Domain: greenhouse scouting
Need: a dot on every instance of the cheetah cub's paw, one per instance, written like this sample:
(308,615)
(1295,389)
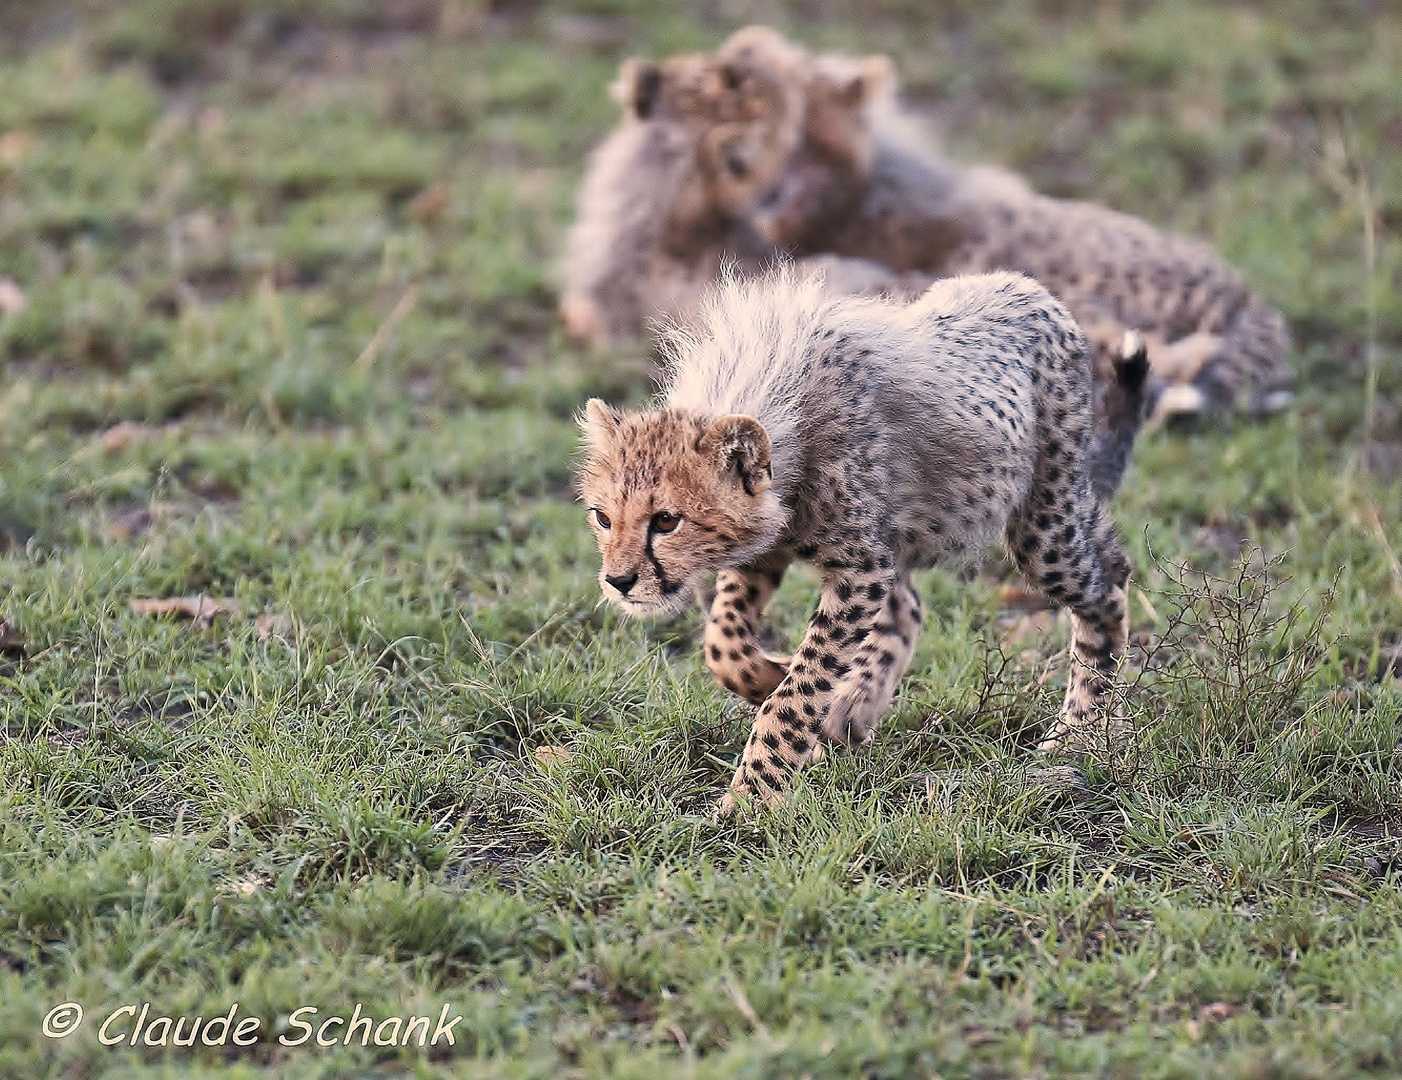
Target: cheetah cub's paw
(854,716)
(1059,739)
(1080,740)
(746,798)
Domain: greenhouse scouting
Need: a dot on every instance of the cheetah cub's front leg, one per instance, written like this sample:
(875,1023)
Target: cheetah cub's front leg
(843,676)
(731,637)
(880,662)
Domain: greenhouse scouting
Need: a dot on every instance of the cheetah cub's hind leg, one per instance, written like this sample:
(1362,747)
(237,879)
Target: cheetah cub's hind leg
(882,658)
(731,637)
(1099,637)
(1067,546)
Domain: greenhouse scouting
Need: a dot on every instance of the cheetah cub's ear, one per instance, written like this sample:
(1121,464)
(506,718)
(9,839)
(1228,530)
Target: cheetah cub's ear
(599,422)
(637,87)
(741,446)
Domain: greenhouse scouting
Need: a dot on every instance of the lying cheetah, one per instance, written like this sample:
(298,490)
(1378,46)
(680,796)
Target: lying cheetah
(860,181)
(869,438)
(659,210)
(658,215)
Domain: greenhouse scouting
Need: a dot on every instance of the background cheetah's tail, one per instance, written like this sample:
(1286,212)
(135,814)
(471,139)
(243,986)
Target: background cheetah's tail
(1123,406)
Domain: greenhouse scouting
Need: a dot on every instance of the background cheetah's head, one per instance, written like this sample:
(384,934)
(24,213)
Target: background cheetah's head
(742,118)
(820,178)
(673,497)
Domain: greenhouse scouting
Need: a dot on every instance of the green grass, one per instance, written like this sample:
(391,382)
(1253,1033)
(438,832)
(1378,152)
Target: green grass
(338,795)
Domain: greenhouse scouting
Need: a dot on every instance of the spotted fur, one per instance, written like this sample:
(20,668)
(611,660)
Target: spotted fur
(869,438)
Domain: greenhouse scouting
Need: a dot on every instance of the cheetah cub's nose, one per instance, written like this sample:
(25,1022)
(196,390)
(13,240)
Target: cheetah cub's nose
(623,582)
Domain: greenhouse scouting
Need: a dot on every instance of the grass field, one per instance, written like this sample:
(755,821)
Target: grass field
(277,282)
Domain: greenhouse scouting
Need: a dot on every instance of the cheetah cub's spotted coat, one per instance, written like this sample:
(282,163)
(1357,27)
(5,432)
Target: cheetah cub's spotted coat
(870,438)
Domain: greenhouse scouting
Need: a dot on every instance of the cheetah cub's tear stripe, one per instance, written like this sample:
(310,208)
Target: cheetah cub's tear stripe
(869,438)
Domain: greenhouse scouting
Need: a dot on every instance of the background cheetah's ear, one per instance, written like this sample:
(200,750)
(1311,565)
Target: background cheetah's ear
(853,84)
(878,77)
(599,422)
(740,445)
(763,48)
(637,86)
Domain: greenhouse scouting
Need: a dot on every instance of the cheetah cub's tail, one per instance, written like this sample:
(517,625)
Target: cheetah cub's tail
(1124,405)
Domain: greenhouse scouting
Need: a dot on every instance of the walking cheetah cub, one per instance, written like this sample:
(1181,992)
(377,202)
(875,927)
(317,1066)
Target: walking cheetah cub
(869,438)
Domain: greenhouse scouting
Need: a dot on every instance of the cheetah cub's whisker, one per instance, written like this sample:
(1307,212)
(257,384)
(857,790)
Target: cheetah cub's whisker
(870,438)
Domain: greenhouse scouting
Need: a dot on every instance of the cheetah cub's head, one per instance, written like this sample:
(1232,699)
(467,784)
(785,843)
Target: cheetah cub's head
(674,497)
(822,181)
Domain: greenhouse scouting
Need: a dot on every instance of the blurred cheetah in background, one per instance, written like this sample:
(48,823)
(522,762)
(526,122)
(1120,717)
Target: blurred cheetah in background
(849,174)
(659,210)
(869,438)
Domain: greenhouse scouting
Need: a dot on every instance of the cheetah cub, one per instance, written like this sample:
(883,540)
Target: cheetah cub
(869,438)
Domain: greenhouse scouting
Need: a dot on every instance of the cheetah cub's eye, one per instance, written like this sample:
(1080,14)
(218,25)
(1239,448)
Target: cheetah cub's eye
(602,518)
(665,522)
